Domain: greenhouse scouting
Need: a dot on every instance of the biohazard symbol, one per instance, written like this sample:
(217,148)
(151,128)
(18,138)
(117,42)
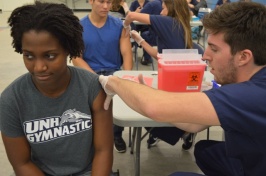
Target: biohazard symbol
(194,78)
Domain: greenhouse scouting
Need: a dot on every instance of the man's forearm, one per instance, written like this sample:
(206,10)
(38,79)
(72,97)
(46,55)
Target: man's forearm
(164,106)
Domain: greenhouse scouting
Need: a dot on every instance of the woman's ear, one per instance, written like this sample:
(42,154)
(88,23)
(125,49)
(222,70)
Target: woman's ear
(245,56)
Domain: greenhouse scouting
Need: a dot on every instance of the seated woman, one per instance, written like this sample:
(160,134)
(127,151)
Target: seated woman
(173,31)
(195,5)
(52,119)
(137,5)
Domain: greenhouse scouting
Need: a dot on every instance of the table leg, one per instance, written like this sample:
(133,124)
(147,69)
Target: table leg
(130,137)
(133,140)
(137,154)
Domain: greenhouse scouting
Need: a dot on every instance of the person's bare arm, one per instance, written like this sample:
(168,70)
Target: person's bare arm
(19,155)
(126,52)
(141,17)
(146,46)
(102,137)
(165,106)
(79,62)
(149,49)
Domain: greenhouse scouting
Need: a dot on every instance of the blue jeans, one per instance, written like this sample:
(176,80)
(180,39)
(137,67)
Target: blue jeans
(117,129)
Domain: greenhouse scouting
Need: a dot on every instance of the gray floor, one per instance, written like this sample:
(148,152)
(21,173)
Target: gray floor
(160,160)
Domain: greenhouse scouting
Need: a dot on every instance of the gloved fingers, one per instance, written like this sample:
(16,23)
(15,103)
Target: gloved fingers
(103,80)
(126,27)
(141,79)
(109,94)
(107,102)
(136,36)
(133,32)
(124,23)
(128,31)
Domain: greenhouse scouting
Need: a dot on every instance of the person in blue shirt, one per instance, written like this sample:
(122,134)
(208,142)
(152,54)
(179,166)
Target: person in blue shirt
(107,49)
(154,7)
(237,58)
(172,27)
(221,2)
(195,5)
(137,5)
(173,31)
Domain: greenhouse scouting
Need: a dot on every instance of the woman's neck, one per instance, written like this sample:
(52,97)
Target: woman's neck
(57,88)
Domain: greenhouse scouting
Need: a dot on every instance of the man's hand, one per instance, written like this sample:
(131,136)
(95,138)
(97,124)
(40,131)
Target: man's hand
(136,36)
(109,94)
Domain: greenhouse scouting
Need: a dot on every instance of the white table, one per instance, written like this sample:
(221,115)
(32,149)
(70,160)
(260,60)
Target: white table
(195,23)
(126,117)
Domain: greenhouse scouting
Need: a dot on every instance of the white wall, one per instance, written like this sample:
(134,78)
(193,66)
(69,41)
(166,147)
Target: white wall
(10,5)
(78,4)
(73,4)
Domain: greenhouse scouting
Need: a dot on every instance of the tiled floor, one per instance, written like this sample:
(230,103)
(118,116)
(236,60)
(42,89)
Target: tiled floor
(157,161)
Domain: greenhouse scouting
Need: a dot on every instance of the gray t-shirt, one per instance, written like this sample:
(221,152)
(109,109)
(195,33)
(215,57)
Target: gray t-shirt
(59,130)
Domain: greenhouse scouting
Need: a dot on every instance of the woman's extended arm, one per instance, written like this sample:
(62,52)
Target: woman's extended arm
(140,17)
(146,46)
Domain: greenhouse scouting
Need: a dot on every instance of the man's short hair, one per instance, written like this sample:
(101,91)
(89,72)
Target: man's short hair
(243,25)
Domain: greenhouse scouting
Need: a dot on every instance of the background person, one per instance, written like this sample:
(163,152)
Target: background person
(107,49)
(154,7)
(119,7)
(46,112)
(172,27)
(173,31)
(195,5)
(137,5)
(221,2)
(238,106)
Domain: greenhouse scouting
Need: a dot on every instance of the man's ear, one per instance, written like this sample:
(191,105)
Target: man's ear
(245,57)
